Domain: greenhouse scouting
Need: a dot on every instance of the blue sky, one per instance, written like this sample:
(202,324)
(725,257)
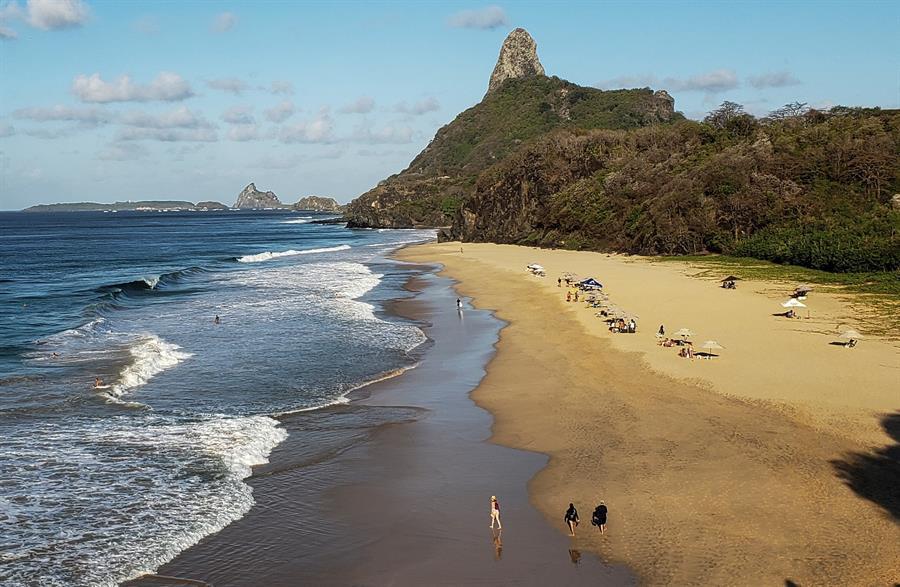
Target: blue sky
(115,100)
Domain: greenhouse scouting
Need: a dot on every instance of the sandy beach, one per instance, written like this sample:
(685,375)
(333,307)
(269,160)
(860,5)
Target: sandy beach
(774,462)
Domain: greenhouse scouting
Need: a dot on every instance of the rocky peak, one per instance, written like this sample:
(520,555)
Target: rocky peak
(251,198)
(518,58)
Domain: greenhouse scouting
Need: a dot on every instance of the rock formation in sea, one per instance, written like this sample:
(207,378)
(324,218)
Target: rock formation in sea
(518,59)
(318,204)
(251,198)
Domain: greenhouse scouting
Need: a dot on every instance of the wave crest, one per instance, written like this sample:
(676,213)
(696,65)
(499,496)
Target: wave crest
(268,255)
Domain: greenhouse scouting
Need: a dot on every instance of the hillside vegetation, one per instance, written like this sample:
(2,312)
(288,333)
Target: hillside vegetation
(430,191)
(802,187)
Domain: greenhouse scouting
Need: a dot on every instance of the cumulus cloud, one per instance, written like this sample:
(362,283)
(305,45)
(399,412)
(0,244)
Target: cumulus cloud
(281,111)
(773,79)
(713,82)
(243,132)
(421,107)
(51,15)
(487,18)
(282,87)
(206,135)
(223,22)
(90,116)
(318,130)
(182,117)
(361,105)
(391,134)
(239,115)
(122,152)
(231,85)
(7,34)
(167,87)
(50,133)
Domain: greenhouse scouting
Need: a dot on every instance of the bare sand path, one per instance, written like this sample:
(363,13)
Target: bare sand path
(716,472)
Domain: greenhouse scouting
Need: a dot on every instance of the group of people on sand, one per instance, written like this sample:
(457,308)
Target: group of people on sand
(598,518)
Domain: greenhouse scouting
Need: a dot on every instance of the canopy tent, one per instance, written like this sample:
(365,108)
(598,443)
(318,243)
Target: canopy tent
(590,282)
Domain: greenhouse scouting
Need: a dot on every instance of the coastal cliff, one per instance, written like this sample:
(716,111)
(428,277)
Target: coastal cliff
(521,105)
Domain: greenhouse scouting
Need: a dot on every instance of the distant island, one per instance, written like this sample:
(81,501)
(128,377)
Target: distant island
(250,198)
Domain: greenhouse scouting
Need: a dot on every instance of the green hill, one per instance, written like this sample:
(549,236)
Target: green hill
(431,189)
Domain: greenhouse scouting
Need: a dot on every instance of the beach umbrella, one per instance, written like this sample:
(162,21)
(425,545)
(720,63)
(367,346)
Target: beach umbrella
(803,288)
(851,334)
(711,345)
(793,303)
(684,333)
(731,278)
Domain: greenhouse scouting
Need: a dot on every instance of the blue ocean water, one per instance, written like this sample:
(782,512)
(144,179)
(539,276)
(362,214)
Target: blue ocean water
(98,485)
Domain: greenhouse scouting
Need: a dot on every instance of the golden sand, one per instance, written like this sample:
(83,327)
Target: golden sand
(722,471)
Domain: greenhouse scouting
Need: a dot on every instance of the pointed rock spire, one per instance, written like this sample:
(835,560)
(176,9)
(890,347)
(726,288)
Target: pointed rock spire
(518,58)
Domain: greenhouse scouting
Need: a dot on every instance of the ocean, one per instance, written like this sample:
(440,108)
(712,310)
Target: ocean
(101,484)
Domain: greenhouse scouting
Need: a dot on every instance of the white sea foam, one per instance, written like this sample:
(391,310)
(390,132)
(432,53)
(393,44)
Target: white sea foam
(151,356)
(93,521)
(151,281)
(266,256)
(298,220)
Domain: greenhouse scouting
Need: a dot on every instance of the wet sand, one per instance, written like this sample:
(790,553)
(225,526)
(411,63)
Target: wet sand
(399,495)
(738,471)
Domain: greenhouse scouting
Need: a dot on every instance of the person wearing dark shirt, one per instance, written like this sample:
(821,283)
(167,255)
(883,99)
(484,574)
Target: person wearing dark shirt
(599,517)
(571,519)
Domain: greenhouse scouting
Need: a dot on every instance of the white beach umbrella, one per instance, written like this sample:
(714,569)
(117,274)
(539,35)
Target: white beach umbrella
(851,334)
(711,345)
(684,333)
(793,303)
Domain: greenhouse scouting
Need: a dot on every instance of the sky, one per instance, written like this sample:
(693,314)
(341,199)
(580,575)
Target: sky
(113,100)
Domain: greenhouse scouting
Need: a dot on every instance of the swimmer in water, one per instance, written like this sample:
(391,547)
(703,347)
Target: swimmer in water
(217,320)
(98,382)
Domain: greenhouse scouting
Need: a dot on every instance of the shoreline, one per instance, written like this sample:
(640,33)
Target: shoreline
(708,478)
(339,518)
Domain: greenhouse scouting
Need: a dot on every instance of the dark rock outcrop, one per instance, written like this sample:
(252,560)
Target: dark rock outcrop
(317,204)
(518,59)
(251,198)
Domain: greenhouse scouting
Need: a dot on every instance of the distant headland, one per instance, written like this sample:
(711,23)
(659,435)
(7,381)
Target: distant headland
(250,198)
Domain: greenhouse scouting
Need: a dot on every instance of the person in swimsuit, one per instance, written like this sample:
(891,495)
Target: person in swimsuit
(495,512)
(571,519)
(458,304)
(599,517)
(217,320)
(98,382)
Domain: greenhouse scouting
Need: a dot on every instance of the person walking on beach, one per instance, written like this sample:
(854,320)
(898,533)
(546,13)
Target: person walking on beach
(571,519)
(459,304)
(495,512)
(599,517)
(662,331)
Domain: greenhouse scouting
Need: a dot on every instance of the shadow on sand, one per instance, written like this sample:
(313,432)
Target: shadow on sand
(876,475)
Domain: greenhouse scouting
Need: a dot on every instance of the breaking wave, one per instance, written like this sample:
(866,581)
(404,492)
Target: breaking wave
(268,255)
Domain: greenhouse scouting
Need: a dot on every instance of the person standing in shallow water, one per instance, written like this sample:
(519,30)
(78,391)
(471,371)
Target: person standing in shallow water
(458,304)
(495,512)
(599,517)
(571,519)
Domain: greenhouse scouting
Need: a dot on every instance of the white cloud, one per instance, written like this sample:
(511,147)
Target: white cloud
(773,79)
(243,132)
(421,107)
(278,162)
(713,82)
(122,152)
(47,133)
(281,111)
(489,17)
(167,87)
(318,130)
(239,115)
(51,15)
(282,87)
(7,34)
(383,135)
(223,22)
(206,135)
(6,129)
(361,105)
(231,85)
(91,116)
(181,117)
